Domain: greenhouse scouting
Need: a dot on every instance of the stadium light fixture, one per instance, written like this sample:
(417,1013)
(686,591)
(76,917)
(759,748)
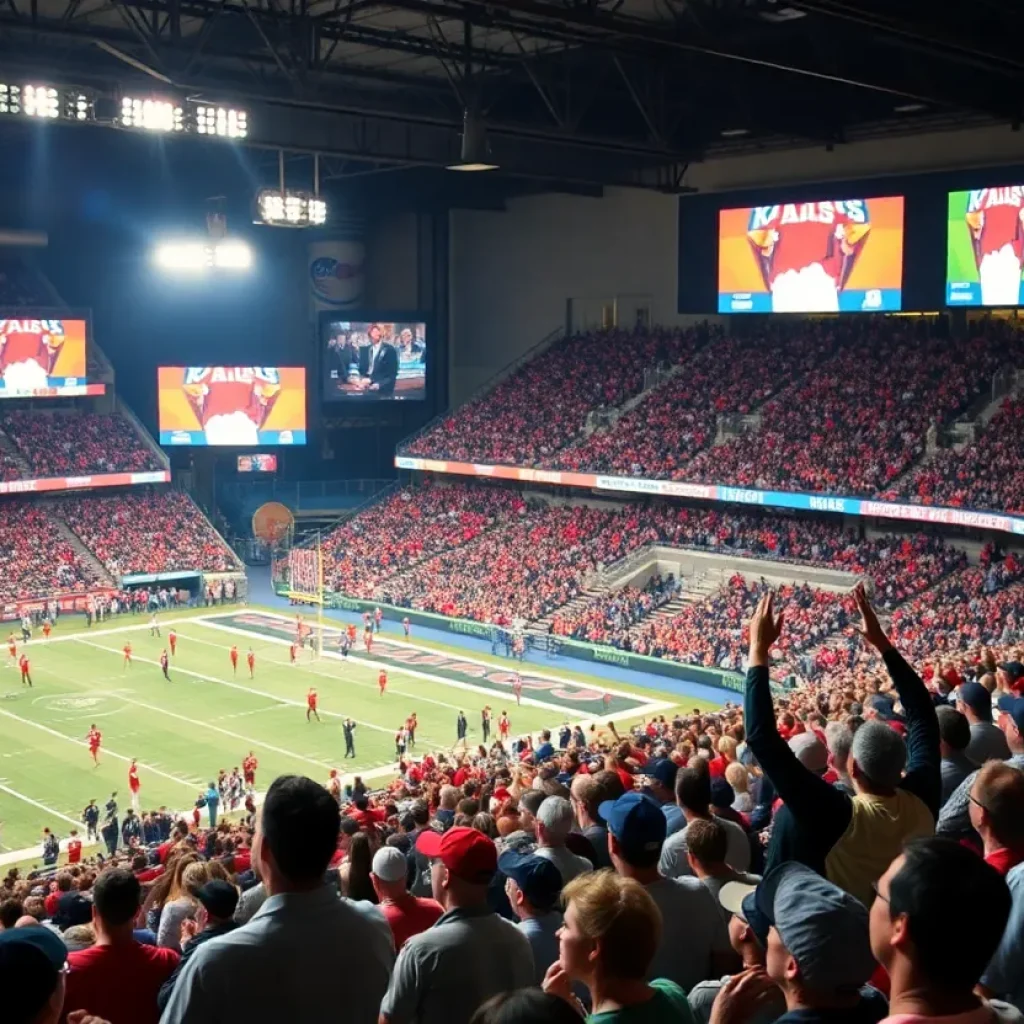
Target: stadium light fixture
(475,152)
(226,122)
(40,101)
(197,256)
(734,133)
(285,208)
(153,115)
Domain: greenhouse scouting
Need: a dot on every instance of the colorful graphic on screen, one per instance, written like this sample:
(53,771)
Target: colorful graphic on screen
(232,405)
(832,256)
(985,247)
(262,463)
(43,357)
(372,360)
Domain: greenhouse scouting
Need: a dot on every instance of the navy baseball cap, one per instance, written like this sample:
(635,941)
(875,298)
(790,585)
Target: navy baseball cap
(824,928)
(1010,704)
(1014,669)
(977,698)
(537,877)
(636,820)
(32,960)
(664,771)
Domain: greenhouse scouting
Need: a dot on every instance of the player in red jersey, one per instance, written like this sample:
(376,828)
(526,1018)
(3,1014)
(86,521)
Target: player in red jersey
(46,629)
(134,785)
(517,688)
(607,699)
(251,661)
(293,651)
(164,662)
(231,402)
(12,650)
(406,625)
(127,652)
(74,847)
(351,630)
(995,220)
(95,739)
(26,677)
(382,681)
(311,704)
(249,766)
(504,725)
(807,251)
(412,725)
(233,655)
(28,352)
(172,639)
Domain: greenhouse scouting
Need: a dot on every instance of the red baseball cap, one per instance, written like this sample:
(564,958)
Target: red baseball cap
(466,853)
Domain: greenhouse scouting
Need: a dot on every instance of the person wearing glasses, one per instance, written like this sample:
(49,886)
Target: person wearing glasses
(997,814)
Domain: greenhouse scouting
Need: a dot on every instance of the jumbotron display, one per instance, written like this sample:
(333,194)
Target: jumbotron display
(833,256)
(374,360)
(259,463)
(985,247)
(232,405)
(43,357)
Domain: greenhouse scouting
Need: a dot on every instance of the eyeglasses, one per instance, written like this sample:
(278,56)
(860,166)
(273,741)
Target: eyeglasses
(977,802)
(878,892)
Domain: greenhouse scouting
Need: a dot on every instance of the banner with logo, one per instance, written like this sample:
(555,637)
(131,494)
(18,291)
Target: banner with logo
(337,275)
(232,405)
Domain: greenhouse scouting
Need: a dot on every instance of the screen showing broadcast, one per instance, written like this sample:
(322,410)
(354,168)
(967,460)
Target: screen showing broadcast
(262,463)
(43,357)
(985,247)
(374,360)
(834,256)
(232,405)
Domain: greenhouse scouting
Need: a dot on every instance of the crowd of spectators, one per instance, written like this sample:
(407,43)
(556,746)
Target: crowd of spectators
(544,405)
(786,860)
(409,526)
(985,474)
(163,531)
(735,375)
(856,423)
(36,556)
(73,444)
(604,619)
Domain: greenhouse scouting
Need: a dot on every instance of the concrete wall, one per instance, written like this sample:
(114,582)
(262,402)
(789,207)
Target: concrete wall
(392,263)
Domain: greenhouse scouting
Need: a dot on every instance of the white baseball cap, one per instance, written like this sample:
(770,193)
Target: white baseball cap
(389,864)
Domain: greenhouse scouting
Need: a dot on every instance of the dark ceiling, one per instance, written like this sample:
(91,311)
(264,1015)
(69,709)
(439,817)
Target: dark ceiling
(576,93)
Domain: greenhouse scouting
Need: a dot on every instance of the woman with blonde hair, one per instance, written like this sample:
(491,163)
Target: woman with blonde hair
(611,931)
(181,902)
(739,778)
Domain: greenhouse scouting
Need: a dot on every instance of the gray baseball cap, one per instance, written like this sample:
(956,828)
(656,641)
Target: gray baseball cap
(824,928)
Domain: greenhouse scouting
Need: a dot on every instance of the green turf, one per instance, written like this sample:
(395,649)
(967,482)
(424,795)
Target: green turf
(206,719)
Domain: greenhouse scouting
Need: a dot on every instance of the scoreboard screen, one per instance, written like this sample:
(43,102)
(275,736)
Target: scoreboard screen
(373,360)
(985,246)
(831,256)
(232,405)
(42,356)
(261,463)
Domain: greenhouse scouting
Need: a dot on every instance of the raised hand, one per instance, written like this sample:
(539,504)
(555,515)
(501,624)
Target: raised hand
(765,629)
(743,997)
(871,630)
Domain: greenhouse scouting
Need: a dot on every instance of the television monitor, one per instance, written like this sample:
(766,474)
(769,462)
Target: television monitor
(985,247)
(44,356)
(373,359)
(262,462)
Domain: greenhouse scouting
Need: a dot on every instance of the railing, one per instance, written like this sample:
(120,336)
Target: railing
(628,563)
(492,382)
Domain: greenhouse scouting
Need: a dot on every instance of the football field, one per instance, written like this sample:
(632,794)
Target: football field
(208,717)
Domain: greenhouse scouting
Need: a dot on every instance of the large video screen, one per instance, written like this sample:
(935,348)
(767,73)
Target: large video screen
(374,360)
(259,463)
(43,357)
(835,256)
(231,405)
(985,247)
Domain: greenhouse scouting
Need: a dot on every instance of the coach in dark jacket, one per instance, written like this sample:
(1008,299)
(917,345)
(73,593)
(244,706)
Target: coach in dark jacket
(218,900)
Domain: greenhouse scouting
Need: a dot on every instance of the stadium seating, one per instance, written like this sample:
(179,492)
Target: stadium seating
(36,556)
(147,533)
(408,526)
(544,405)
(985,475)
(72,444)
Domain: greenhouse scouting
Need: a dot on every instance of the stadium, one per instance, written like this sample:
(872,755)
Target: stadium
(605,601)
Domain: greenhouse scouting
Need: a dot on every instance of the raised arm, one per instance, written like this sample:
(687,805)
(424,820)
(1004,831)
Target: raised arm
(808,796)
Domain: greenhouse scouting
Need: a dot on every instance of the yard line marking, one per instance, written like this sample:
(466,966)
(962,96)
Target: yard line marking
(42,807)
(80,742)
(244,689)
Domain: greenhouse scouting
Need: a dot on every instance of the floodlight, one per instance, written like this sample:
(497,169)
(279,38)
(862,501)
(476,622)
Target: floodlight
(190,256)
(198,256)
(40,101)
(475,152)
(227,122)
(10,99)
(285,208)
(77,106)
(232,255)
(152,115)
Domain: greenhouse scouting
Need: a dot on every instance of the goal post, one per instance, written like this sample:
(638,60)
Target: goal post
(306,583)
